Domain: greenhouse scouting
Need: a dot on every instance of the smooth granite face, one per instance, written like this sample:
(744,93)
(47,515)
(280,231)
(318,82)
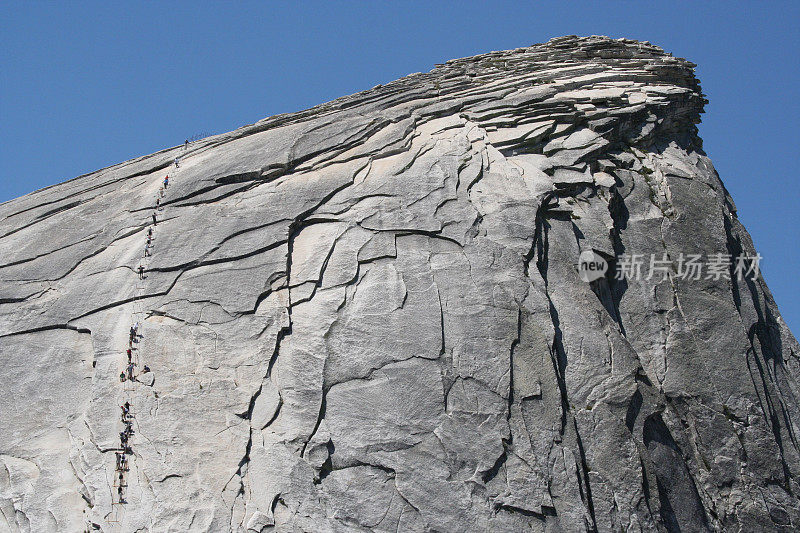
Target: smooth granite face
(368,316)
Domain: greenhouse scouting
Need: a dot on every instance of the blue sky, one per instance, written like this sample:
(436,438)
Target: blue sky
(87,84)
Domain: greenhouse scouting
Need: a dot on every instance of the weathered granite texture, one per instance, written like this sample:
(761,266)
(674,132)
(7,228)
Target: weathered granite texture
(367,316)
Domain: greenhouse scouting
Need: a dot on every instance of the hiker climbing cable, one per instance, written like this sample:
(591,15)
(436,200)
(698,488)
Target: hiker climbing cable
(166,180)
(141,272)
(176,163)
(186,144)
(122,461)
(146,369)
(130,355)
(155,220)
(122,377)
(134,333)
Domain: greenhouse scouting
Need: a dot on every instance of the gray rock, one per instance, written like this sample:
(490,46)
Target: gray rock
(367,316)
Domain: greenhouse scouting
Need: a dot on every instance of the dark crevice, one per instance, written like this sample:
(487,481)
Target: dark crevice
(180,203)
(327,466)
(681,506)
(583,477)
(558,355)
(197,263)
(634,407)
(320,417)
(48,328)
(514,345)
(525,512)
(490,474)
(431,234)
(617,287)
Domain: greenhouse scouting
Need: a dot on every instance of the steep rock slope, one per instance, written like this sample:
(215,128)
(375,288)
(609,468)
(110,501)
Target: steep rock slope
(367,316)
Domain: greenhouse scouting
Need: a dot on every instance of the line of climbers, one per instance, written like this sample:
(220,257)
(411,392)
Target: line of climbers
(132,352)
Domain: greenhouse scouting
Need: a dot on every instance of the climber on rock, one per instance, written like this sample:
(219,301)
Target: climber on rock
(146,369)
(122,377)
(122,462)
(155,220)
(130,355)
(130,372)
(166,179)
(141,272)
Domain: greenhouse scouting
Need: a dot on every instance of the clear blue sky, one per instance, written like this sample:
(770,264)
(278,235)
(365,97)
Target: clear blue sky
(87,84)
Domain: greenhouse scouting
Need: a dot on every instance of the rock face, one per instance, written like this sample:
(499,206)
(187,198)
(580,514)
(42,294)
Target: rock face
(367,316)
